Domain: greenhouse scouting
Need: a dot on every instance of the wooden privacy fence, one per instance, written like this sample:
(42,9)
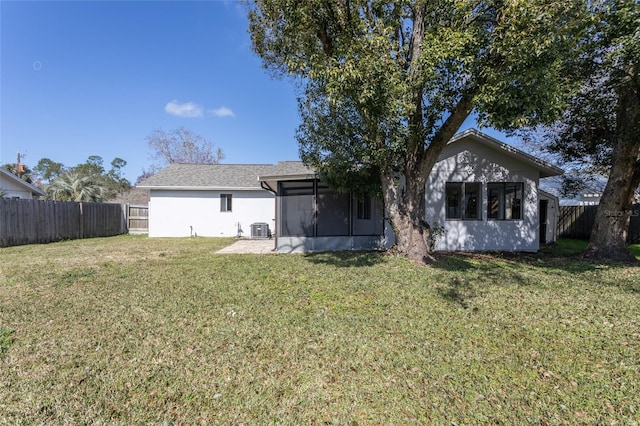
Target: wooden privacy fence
(577,221)
(38,221)
(138,218)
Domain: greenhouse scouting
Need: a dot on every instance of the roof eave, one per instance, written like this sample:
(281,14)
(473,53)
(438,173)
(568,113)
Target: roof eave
(548,194)
(304,176)
(34,189)
(200,188)
(550,171)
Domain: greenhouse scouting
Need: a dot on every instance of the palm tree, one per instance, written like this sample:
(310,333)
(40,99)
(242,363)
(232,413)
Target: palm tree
(74,186)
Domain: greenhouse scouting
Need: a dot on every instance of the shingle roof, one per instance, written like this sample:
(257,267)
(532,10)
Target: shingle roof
(213,176)
(288,168)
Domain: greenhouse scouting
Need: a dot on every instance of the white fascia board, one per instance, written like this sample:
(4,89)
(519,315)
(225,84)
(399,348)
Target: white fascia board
(288,177)
(34,189)
(202,188)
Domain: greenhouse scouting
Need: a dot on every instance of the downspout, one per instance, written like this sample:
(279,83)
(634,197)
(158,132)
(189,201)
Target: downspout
(265,186)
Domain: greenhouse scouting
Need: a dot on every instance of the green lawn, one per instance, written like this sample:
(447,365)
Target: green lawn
(131,330)
(572,247)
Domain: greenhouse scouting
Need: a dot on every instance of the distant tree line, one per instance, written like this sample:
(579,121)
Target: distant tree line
(88,181)
(92,181)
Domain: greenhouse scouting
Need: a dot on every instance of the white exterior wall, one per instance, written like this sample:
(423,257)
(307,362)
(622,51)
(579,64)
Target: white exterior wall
(12,189)
(465,161)
(187,213)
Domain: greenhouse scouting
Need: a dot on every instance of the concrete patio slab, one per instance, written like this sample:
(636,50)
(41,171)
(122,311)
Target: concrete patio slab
(246,246)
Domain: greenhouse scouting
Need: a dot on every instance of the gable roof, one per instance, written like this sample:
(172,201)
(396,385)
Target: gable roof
(207,177)
(29,187)
(249,176)
(545,169)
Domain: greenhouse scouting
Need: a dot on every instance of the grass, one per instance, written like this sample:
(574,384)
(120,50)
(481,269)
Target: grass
(573,247)
(131,330)
(6,340)
(566,247)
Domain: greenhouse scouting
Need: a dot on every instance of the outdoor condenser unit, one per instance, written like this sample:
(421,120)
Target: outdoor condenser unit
(260,230)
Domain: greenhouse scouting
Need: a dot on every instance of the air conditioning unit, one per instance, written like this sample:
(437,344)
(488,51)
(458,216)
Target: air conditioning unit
(260,230)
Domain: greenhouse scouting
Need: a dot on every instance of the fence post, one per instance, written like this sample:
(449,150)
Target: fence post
(125,210)
(81,221)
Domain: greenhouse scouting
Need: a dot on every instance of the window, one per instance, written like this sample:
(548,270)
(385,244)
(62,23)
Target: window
(225,202)
(363,208)
(463,200)
(504,201)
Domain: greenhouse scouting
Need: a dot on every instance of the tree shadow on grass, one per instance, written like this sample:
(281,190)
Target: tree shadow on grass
(347,259)
(458,291)
(498,268)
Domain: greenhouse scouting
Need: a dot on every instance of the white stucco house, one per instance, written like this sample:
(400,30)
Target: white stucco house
(220,200)
(11,186)
(483,194)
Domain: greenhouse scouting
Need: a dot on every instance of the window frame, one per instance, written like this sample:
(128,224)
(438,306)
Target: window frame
(464,192)
(506,191)
(226,203)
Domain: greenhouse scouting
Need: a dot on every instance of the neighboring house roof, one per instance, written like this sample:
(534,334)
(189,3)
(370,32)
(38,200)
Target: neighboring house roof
(545,168)
(208,177)
(590,194)
(29,187)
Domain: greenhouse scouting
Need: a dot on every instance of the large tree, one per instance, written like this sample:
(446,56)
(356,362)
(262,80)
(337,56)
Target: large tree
(387,84)
(181,146)
(618,71)
(112,181)
(600,130)
(88,181)
(77,186)
(47,170)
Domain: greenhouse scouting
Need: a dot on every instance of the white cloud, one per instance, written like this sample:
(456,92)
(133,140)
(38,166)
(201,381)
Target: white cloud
(222,112)
(189,109)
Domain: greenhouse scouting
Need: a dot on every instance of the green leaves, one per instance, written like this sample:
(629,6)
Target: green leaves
(76,186)
(387,84)
(374,59)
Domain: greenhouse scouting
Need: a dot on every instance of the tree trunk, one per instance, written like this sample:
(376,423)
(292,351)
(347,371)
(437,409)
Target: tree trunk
(609,234)
(405,211)
(405,205)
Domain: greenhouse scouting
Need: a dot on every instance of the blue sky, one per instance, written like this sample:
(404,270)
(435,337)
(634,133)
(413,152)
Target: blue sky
(85,78)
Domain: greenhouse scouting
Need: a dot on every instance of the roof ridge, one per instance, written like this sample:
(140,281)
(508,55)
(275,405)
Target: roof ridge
(221,164)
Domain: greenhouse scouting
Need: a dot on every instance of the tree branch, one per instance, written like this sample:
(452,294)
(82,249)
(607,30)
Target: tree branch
(451,125)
